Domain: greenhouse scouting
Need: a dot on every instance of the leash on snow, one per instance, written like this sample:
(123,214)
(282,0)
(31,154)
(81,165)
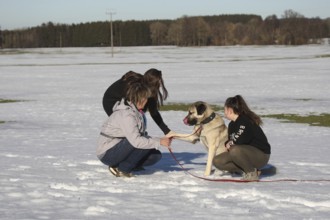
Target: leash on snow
(240,180)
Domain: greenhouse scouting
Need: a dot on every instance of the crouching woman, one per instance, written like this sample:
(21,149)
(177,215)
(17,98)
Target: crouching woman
(247,146)
(124,144)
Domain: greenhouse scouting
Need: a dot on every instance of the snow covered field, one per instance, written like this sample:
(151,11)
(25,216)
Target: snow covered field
(47,145)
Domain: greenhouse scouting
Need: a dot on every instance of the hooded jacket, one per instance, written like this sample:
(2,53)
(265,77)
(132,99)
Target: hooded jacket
(125,122)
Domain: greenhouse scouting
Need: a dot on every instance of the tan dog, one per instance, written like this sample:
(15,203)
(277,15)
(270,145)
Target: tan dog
(209,128)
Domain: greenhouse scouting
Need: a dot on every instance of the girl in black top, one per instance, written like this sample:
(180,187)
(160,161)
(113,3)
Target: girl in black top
(154,80)
(247,145)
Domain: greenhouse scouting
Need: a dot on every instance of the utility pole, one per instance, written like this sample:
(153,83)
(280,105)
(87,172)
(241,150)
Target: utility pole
(111,30)
(0,38)
(61,41)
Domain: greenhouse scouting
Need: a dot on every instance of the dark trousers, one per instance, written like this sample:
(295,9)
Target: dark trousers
(241,158)
(126,157)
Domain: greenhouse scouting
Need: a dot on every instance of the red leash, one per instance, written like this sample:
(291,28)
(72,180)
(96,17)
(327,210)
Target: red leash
(239,180)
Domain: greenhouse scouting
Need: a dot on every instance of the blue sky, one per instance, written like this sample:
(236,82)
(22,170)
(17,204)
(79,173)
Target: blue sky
(28,13)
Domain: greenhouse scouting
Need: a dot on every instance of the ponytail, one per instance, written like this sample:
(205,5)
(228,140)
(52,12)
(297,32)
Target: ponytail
(239,106)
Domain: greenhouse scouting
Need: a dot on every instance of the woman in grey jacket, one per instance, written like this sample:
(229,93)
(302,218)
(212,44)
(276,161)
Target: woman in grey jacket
(123,143)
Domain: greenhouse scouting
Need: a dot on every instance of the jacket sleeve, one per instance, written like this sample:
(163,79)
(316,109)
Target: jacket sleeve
(113,94)
(152,107)
(243,132)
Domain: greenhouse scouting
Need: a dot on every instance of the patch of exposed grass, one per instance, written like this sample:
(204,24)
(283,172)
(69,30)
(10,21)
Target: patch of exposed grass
(9,100)
(11,51)
(183,107)
(305,100)
(313,120)
(323,56)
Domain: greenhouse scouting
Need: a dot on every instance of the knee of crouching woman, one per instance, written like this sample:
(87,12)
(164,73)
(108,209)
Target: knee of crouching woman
(218,162)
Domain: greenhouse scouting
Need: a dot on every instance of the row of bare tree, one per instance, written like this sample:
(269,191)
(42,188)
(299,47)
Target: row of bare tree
(292,29)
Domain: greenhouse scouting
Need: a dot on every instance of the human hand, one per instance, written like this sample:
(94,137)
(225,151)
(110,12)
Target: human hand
(166,142)
(228,145)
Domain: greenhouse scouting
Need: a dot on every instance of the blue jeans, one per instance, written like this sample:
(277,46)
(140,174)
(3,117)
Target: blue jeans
(126,157)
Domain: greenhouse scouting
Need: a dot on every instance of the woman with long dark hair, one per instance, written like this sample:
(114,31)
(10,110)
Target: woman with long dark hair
(247,146)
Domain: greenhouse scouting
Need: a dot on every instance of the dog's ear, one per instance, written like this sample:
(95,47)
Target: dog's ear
(200,107)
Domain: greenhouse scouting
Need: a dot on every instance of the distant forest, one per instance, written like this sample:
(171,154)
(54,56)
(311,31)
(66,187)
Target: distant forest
(218,30)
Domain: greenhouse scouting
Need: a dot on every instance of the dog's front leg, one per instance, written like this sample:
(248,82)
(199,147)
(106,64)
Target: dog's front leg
(210,156)
(191,138)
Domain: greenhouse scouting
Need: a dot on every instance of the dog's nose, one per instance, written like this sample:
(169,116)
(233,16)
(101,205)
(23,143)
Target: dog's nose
(185,121)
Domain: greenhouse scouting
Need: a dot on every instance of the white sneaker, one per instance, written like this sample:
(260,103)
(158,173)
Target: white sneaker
(251,176)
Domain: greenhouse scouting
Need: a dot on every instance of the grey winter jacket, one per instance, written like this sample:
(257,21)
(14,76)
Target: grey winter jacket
(125,122)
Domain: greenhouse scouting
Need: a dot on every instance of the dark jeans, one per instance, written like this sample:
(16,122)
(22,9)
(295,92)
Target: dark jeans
(126,157)
(241,158)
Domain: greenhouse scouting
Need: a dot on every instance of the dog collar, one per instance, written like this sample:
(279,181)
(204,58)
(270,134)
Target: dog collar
(208,119)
